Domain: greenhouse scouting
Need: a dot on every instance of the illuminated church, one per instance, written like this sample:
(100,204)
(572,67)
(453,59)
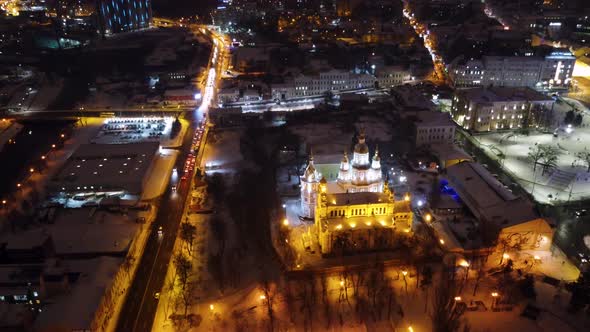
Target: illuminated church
(355,212)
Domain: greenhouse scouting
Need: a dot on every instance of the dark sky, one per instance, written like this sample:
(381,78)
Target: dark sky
(177,8)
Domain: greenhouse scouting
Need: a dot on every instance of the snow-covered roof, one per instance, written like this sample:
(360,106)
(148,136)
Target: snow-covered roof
(503,94)
(487,198)
(75,310)
(449,152)
(76,232)
(433,119)
(106,167)
(80,232)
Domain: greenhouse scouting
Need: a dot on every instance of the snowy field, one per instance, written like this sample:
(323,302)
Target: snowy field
(570,175)
(222,152)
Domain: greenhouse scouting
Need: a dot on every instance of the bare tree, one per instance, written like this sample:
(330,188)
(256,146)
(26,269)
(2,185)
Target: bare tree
(183,269)
(549,158)
(446,316)
(188,232)
(269,294)
(585,157)
(535,154)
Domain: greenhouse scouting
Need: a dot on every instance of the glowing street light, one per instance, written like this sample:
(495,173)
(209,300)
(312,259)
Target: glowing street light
(428,217)
(262,297)
(457,298)
(405,273)
(341,283)
(441,241)
(505,256)
(31,170)
(286,222)
(464,263)
(211,307)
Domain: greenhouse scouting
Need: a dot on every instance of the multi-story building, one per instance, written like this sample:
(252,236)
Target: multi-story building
(553,69)
(335,81)
(390,76)
(357,211)
(434,128)
(115,16)
(485,109)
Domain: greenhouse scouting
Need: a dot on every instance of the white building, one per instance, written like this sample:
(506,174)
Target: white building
(554,69)
(485,109)
(335,81)
(362,174)
(434,128)
(390,76)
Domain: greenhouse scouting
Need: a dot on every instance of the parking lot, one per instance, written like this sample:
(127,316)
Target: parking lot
(134,130)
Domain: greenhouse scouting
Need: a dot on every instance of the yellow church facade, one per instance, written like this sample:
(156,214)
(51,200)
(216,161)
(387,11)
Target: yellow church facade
(357,212)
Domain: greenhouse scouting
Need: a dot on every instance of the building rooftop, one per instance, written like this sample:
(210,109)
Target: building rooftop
(104,167)
(487,198)
(356,198)
(502,94)
(437,119)
(75,310)
(84,231)
(449,152)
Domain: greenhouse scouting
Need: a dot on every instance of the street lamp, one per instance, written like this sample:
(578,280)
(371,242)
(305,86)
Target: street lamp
(211,307)
(286,222)
(262,297)
(428,217)
(494,298)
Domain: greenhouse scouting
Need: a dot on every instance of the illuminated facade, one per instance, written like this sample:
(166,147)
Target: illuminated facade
(116,16)
(356,212)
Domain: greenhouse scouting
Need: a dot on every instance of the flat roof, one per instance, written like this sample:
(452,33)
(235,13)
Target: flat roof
(106,167)
(502,94)
(75,309)
(448,152)
(431,118)
(80,232)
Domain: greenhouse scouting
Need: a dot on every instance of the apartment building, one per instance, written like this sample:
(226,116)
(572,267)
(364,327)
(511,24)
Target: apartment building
(494,108)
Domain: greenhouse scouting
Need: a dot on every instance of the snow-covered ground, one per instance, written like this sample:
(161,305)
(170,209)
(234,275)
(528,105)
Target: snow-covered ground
(222,152)
(299,306)
(554,185)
